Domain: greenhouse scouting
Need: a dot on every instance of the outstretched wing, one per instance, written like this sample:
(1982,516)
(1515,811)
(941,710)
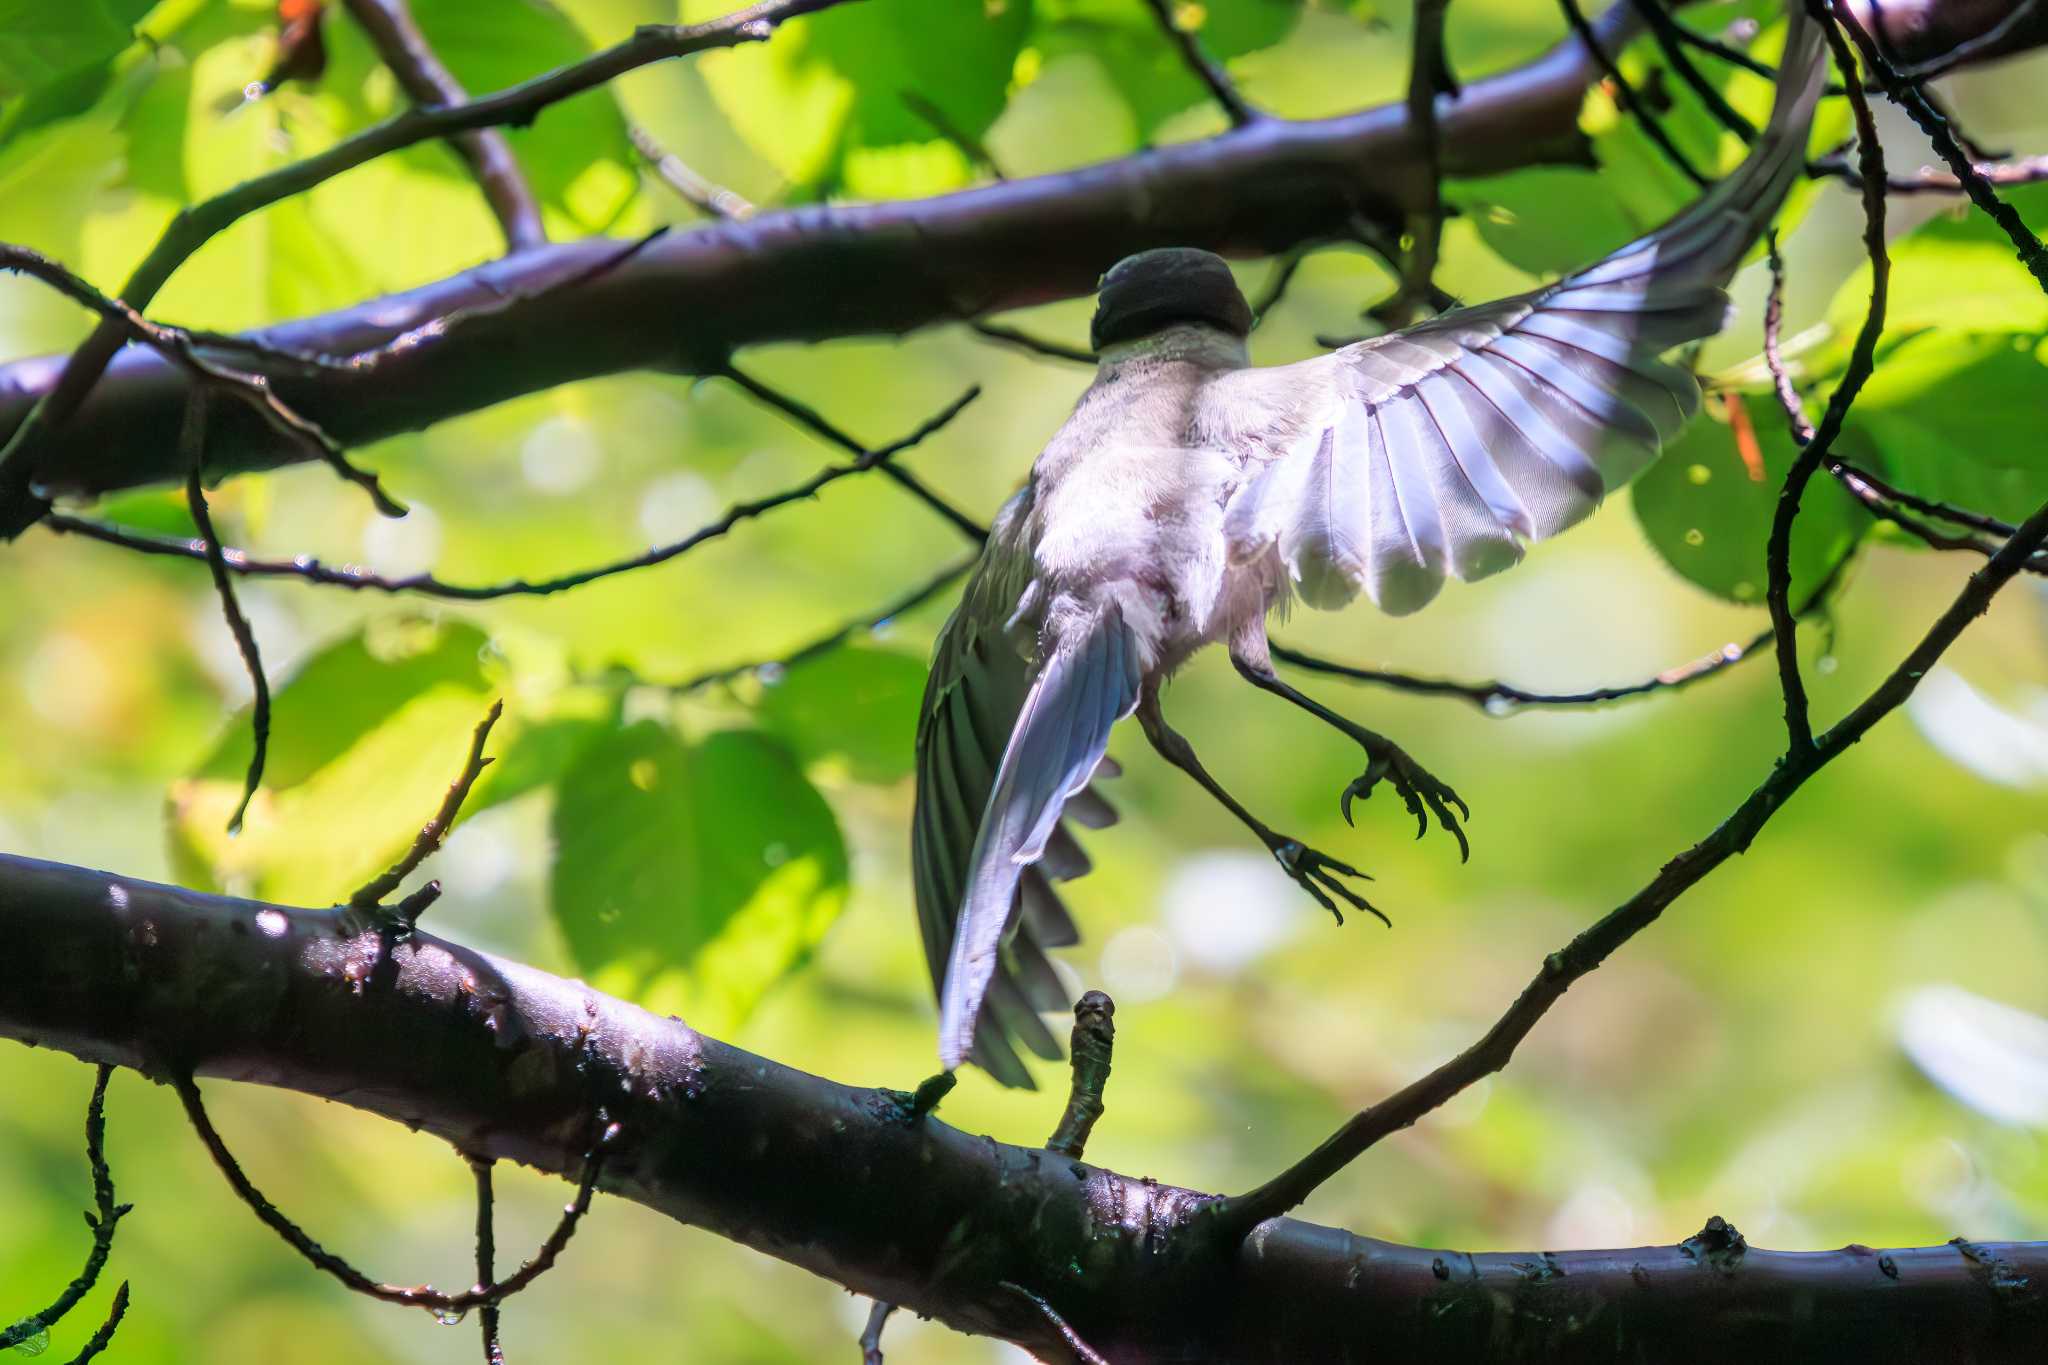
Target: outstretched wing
(977,689)
(1442,448)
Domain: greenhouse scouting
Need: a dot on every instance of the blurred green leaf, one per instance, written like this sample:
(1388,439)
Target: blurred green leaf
(1708,512)
(45,42)
(834,84)
(693,876)
(1940,415)
(1144,63)
(859,705)
(365,739)
(1546,220)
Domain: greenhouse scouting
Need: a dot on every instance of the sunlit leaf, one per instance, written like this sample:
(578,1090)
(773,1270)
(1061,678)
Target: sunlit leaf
(693,875)
(1145,65)
(44,42)
(859,705)
(1939,414)
(1707,508)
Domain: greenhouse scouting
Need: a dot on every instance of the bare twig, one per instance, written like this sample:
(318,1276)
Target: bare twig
(406,51)
(2029,171)
(428,842)
(867,622)
(102,1222)
(198,224)
(1206,69)
(1672,42)
(192,445)
(410,1296)
(864,458)
(486,1256)
(1862,361)
(973,148)
(1241,1213)
(1774,360)
(1628,97)
(310,570)
(1428,77)
(1052,350)
(1094,1040)
(1082,1351)
(105,1336)
(181,348)
(693,189)
(1964,52)
(871,1339)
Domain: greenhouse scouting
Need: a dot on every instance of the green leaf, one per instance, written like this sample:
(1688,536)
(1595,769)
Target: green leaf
(834,84)
(1709,515)
(1144,64)
(1948,413)
(693,876)
(43,42)
(1958,270)
(855,705)
(365,738)
(1545,220)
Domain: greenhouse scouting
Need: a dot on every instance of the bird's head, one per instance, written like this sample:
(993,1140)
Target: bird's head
(1156,289)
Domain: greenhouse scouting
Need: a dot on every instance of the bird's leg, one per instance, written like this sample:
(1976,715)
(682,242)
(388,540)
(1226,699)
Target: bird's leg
(1423,793)
(1314,872)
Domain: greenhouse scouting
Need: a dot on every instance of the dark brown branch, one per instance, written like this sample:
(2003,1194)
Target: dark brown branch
(1628,97)
(809,417)
(101,1223)
(1081,1351)
(1862,362)
(409,1296)
(310,570)
(406,51)
(486,1256)
(1093,1043)
(1205,68)
(867,622)
(1941,132)
(686,303)
(104,1337)
(501,1060)
(1592,947)
(714,201)
(428,841)
(2029,171)
(1671,41)
(1774,360)
(192,445)
(1428,77)
(198,224)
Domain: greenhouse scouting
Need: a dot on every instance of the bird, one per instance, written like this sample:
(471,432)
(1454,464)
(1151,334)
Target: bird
(1191,495)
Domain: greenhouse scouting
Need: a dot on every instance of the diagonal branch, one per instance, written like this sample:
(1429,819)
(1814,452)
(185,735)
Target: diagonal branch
(428,841)
(1205,67)
(1628,97)
(406,51)
(102,1224)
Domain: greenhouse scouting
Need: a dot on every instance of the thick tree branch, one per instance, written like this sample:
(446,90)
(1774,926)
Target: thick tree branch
(485,151)
(503,1061)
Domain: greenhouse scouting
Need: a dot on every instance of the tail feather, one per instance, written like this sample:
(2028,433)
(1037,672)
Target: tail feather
(1086,685)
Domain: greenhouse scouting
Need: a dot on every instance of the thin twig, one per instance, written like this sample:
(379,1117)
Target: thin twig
(2029,171)
(1627,96)
(1083,1352)
(864,458)
(973,148)
(1862,361)
(486,1256)
(693,189)
(181,348)
(867,622)
(1672,42)
(411,1296)
(192,448)
(1052,350)
(411,58)
(198,224)
(354,577)
(1428,77)
(1239,1214)
(1970,49)
(1774,360)
(1205,69)
(1094,1042)
(428,841)
(102,1338)
(102,1222)
(871,1339)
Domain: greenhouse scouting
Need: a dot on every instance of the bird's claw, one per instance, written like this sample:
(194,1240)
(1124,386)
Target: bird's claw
(1318,873)
(1420,790)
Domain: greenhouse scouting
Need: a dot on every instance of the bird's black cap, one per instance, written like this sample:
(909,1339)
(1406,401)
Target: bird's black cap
(1156,289)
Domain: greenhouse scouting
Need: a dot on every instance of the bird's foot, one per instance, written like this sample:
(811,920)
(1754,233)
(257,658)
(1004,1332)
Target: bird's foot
(1318,873)
(1423,793)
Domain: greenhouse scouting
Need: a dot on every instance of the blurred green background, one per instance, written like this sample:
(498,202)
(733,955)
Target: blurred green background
(1838,1038)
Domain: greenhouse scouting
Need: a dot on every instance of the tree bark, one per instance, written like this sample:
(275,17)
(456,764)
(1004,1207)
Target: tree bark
(507,1062)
